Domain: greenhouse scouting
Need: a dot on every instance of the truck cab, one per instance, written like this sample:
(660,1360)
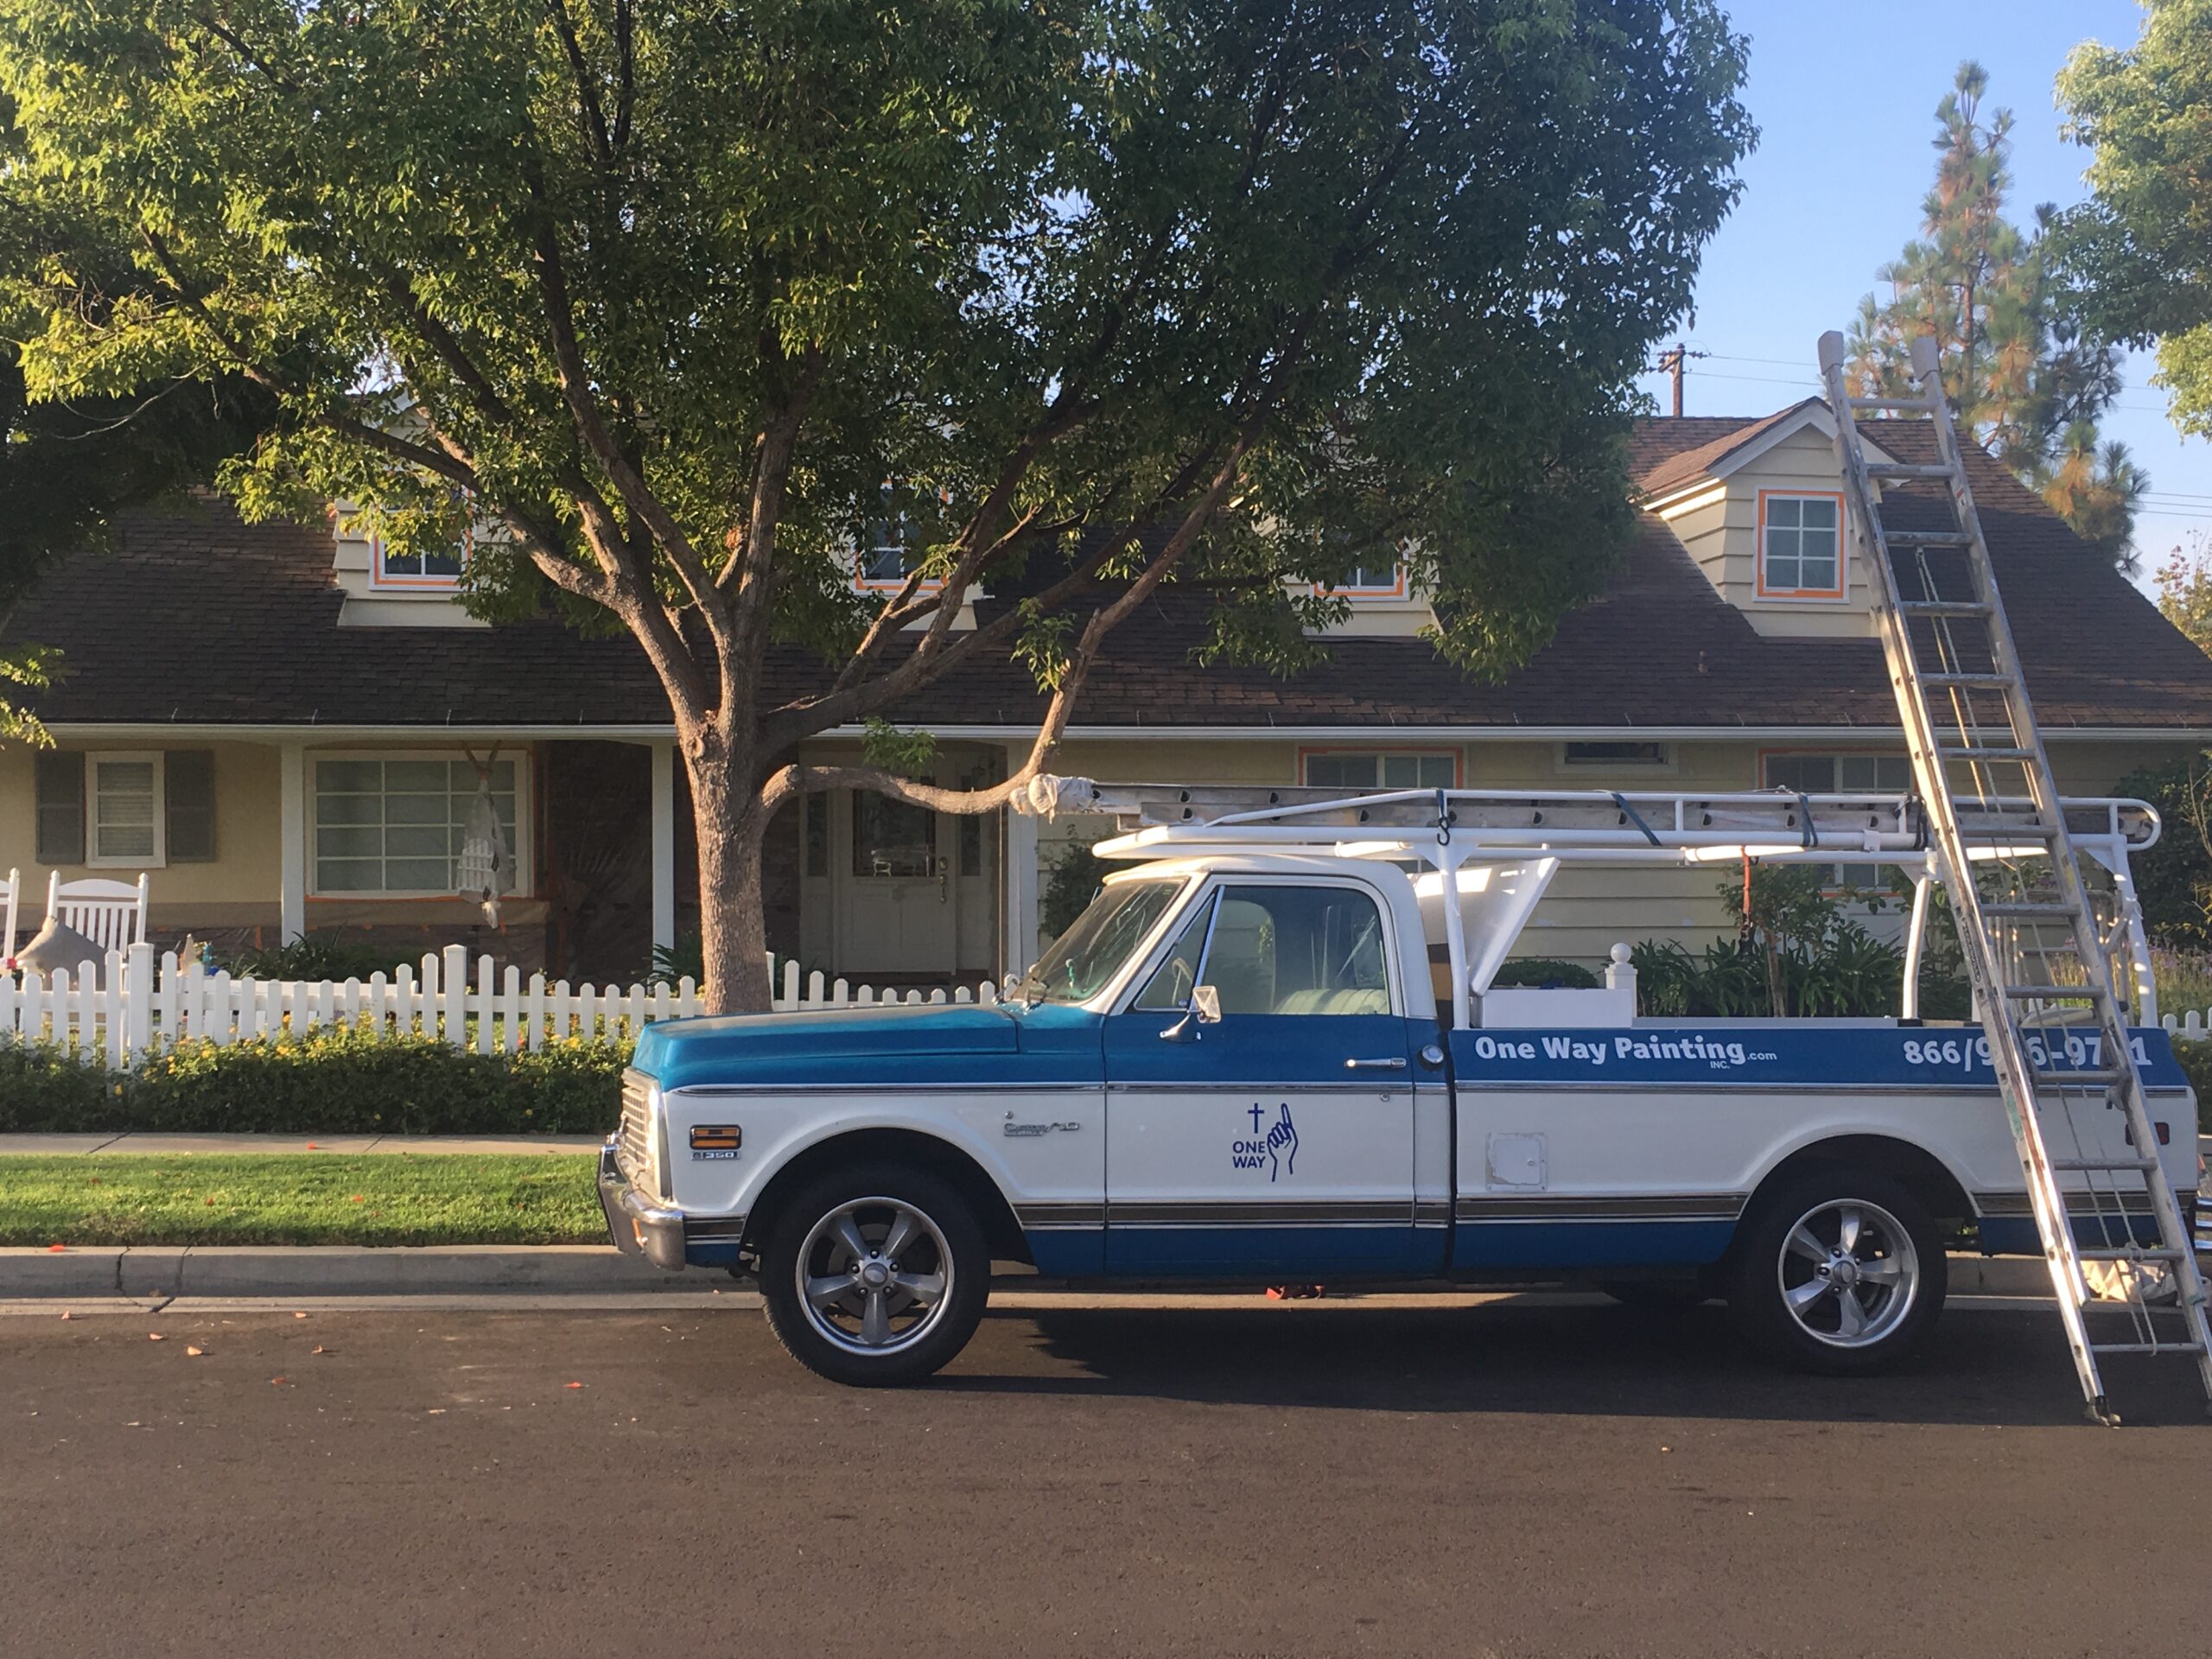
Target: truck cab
(1261,1058)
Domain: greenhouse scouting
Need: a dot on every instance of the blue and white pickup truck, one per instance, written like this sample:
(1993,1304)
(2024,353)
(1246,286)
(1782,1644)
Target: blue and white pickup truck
(1235,1067)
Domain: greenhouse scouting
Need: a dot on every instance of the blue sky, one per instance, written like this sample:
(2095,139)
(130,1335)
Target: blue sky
(1844,99)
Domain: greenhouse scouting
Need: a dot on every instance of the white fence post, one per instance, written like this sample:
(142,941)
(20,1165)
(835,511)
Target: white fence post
(146,1004)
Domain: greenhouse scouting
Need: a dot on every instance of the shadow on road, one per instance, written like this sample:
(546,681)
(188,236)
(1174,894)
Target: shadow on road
(1979,1368)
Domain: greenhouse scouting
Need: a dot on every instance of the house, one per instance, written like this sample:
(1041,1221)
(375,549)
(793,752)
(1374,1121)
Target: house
(288,728)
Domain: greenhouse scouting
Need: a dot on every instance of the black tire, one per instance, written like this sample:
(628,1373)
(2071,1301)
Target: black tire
(1896,1280)
(873,1196)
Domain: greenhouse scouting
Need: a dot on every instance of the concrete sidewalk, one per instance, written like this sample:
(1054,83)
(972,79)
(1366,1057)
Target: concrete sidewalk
(472,1145)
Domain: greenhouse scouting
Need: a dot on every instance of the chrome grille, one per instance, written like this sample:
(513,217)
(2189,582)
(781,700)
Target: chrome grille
(633,1146)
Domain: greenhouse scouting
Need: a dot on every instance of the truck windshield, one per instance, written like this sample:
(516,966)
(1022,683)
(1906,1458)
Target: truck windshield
(1082,959)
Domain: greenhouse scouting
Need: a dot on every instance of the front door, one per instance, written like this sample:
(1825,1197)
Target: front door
(1280,1138)
(913,890)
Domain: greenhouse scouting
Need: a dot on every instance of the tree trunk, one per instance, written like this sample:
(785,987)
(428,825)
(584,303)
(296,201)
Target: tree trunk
(732,927)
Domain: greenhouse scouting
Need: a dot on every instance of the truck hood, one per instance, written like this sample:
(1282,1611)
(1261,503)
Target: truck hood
(829,1045)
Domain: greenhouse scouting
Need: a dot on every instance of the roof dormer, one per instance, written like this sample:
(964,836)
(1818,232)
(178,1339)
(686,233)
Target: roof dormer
(386,589)
(1760,509)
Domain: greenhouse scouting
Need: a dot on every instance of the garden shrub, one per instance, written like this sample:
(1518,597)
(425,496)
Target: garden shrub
(1546,972)
(324,1083)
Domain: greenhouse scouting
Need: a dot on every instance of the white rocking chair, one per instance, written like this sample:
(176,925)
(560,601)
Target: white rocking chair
(111,914)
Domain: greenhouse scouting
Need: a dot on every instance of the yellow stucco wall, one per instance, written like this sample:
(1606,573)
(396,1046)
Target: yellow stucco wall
(1587,911)
(237,888)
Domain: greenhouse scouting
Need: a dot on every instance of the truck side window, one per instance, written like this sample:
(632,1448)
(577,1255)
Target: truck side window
(1299,951)
(1172,983)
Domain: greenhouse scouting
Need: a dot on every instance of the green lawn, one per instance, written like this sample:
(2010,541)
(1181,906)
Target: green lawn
(299,1198)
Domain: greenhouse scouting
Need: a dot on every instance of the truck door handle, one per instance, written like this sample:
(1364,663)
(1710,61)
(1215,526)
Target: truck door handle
(1395,1063)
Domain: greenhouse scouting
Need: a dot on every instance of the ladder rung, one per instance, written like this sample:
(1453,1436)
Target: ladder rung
(1905,469)
(1983,682)
(2148,1253)
(2001,831)
(2050,993)
(2023,912)
(1974,751)
(2088,1166)
(2190,1347)
(2082,1080)
(1944,607)
(1928,537)
(1903,404)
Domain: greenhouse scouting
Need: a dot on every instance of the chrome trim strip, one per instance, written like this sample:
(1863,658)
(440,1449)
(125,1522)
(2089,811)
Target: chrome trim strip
(1350,1090)
(1350,1212)
(878,1091)
(2080,1203)
(1747,1085)
(1583,1207)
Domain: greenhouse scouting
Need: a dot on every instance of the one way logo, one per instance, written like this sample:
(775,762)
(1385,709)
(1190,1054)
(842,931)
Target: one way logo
(1271,1147)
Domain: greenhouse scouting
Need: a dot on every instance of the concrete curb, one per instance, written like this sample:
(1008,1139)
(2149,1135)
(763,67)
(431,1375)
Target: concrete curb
(159,1273)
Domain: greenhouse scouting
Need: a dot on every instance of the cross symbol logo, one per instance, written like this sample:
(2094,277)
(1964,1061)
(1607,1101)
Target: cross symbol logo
(1255,1120)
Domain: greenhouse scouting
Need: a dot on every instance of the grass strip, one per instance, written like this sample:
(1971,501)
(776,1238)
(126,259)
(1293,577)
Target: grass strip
(299,1198)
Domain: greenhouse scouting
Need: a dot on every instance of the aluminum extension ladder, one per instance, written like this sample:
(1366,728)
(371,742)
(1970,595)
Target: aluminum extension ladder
(2042,981)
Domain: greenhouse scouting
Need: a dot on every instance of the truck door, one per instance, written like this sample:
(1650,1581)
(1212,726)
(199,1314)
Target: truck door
(1279,1138)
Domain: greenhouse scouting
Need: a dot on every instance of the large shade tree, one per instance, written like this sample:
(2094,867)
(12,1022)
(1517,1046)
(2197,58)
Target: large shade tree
(69,466)
(2025,377)
(1089,297)
(2140,250)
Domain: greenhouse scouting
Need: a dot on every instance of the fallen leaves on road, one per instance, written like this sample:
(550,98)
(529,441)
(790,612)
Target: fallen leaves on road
(576,1385)
(299,1316)
(57,1247)
(66,1314)
(319,1349)
(190,1352)
(280,1382)
(156,1336)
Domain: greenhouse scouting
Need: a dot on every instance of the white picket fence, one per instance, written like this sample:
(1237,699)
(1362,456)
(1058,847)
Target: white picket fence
(155,1003)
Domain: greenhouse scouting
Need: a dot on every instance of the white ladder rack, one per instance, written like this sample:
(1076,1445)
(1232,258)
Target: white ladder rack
(2033,954)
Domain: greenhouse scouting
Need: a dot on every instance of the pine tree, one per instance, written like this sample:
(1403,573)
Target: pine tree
(2022,376)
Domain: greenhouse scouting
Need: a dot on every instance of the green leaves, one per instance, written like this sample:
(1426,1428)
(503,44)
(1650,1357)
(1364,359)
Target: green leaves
(2137,253)
(2025,377)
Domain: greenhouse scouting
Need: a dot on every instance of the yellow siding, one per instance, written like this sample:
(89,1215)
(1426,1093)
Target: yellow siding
(237,888)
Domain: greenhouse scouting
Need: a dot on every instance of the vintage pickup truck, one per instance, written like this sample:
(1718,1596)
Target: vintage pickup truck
(1271,1050)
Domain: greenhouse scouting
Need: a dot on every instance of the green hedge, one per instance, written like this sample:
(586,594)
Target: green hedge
(321,1084)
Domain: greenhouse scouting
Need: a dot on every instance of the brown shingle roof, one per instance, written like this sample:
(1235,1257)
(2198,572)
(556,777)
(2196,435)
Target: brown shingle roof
(1685,464)
(199,619)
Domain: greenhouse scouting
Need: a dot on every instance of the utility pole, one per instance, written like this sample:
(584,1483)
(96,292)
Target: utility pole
(1671,364)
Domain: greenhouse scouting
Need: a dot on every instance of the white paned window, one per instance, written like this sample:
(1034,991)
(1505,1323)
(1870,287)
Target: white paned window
(1801,546)
(126,792)
(1381,769)
(1844,774)
(393,825)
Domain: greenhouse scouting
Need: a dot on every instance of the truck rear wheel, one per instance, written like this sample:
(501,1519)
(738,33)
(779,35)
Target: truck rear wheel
(874,1275)
(1837,1270)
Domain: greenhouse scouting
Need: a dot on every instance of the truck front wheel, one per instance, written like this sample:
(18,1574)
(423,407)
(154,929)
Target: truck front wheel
(874,1275)
(1837,1270)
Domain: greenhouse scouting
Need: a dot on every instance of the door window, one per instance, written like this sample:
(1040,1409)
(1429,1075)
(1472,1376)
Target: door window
(1298,950)
(891,838)
(1172,983)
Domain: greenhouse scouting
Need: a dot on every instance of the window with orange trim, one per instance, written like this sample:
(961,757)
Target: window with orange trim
(1801,546)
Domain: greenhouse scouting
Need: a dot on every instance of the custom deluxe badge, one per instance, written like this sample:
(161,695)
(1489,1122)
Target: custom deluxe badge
(1271,1147)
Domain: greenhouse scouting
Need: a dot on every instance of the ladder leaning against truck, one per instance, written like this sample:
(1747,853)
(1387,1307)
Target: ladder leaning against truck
(1272,1049)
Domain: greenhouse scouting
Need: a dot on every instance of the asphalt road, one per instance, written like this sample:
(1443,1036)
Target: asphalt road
(1245,1479)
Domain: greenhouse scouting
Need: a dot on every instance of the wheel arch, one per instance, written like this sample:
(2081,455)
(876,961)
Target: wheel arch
(993,1213)
(1912,1165)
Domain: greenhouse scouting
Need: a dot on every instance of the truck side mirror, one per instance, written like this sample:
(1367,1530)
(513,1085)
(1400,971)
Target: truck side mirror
(1202,1010)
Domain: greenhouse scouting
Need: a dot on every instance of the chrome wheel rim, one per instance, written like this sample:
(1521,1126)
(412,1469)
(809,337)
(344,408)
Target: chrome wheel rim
(1849,1273)
(875,1276)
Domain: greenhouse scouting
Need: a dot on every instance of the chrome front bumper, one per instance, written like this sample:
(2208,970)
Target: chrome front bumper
(639,1225)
